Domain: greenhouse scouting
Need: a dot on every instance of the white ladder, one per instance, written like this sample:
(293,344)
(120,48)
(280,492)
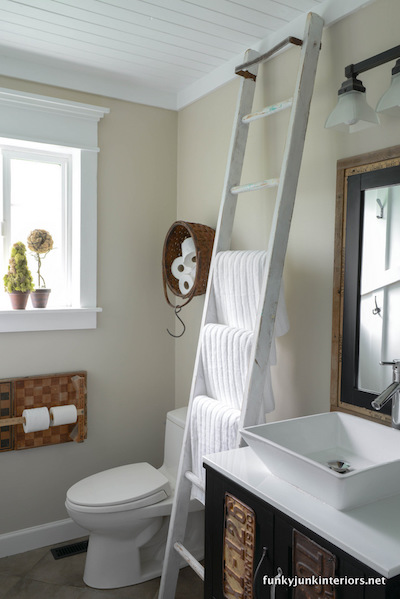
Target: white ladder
(265,321)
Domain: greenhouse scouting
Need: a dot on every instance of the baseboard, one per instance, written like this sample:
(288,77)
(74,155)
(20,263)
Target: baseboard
(26,539)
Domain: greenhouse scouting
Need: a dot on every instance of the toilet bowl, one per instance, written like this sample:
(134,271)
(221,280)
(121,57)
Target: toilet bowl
(126,511)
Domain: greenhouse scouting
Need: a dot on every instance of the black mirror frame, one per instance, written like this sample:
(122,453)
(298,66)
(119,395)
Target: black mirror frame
(354,175)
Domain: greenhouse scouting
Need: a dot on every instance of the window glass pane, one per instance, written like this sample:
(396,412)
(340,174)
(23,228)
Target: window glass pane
(37,202)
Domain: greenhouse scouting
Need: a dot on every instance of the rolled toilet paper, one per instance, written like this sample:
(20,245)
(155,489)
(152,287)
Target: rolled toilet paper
(63,415)
(185,283)
(36,419)
(189,260)
(188,246)
(178,267)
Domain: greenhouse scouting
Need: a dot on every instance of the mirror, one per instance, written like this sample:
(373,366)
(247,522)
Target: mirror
(366,318)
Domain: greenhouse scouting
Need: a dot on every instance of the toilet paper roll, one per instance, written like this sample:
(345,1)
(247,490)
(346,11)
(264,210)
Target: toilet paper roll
(185,283)
(63,415)
(189,259)
(188,246)
(178,267)
(36,419)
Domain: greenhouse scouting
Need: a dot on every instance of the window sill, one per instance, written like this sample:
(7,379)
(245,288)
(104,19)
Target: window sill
(48,319)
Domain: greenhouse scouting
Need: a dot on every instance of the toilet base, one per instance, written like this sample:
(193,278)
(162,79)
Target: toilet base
(112,563)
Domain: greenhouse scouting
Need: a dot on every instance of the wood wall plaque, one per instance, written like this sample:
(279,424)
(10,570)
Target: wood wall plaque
(18,394)
(238,553)
(6,411)
(311,561)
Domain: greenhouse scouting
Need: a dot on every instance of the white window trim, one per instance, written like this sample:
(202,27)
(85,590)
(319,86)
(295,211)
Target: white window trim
(48,120)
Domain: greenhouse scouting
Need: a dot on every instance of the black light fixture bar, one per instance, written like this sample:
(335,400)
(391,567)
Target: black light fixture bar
(352,70)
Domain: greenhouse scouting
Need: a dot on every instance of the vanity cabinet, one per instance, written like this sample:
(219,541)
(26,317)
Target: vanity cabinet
(249,540)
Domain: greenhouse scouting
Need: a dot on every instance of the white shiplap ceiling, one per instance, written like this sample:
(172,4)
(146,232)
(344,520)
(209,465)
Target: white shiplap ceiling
(160,52)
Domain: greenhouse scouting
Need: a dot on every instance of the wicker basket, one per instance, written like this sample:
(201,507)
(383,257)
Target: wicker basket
(203,238)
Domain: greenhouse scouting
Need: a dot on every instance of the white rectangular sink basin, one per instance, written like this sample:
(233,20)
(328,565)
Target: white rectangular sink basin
(298,451)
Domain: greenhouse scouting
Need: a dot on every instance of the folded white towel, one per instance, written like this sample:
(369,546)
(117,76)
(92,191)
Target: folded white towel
(214,428)
(237,282)
(225,353)
(225,358)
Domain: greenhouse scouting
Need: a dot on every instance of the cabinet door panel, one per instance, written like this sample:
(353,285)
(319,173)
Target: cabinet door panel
(238,528)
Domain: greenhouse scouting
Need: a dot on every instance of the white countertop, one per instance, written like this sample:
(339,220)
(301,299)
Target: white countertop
(370,533)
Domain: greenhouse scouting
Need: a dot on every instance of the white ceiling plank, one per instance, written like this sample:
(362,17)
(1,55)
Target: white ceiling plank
(148,15)
(136,80)
(249,13)
(117,20)
(304,5)
(269,7)
(96,59)
(167,45)
(199,20)
(230,15)
(121,88)
(256,9)
(89,42)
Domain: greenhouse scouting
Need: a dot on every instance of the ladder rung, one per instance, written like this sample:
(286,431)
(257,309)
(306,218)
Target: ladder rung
(243,68)
(254,186)
(195,480)
(273,109)
(190,559)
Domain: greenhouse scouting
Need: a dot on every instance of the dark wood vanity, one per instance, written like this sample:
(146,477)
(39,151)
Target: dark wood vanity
(249,542)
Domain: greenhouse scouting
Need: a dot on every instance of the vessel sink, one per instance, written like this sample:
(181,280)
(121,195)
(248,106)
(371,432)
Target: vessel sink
(340,459)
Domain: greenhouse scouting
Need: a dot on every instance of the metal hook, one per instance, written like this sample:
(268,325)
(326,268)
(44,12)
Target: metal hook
(379,209)
(376,310)
(177,310)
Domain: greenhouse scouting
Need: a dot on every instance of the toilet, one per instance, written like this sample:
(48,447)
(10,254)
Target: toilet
(127,510)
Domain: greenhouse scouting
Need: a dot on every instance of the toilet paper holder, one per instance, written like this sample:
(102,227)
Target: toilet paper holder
(48,391)
(20,419)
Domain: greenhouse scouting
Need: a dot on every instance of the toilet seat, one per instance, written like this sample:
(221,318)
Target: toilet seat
(122,488)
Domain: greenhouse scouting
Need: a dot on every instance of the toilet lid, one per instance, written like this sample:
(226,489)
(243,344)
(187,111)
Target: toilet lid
(121,485)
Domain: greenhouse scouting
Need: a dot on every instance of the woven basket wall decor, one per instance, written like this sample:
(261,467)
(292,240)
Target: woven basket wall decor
(203,238)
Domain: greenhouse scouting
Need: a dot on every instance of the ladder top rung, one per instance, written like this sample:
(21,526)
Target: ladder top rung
(254,186)
(242,69)
(273,109)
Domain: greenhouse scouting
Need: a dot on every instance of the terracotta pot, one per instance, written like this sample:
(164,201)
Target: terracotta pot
(19,299)
(40,297)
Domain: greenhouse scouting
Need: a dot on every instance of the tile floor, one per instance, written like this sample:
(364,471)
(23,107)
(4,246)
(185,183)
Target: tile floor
(37,575)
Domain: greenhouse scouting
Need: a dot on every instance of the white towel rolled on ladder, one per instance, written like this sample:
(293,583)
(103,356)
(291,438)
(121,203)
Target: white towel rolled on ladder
(225,355)
(214,428)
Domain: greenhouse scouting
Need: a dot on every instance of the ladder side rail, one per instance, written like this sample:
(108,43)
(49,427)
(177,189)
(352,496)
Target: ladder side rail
(281,222)
(235,160)
(180,508)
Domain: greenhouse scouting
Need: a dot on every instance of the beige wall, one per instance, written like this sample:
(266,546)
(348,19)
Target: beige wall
(129,357)
(302,377)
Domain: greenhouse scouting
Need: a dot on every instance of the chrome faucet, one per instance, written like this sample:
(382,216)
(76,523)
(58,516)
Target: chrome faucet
(391,393)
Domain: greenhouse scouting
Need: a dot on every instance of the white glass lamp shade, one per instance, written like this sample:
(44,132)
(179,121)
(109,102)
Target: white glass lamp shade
(390,101)
(352,113)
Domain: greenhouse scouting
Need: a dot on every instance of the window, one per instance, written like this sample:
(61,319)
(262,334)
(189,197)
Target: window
(49,181)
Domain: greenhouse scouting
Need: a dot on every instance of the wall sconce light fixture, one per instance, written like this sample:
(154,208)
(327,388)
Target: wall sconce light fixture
(352,113)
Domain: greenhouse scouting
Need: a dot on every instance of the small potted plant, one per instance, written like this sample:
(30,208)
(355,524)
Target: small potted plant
(40,242)
(18,281)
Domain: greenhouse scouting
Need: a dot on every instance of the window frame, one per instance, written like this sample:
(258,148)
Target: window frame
(28,117)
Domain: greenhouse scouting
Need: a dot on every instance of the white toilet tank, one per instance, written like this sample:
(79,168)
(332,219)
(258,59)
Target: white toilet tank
(174,431)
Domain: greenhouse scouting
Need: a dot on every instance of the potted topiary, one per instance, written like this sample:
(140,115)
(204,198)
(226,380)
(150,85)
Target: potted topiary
(18,281)
(40,242)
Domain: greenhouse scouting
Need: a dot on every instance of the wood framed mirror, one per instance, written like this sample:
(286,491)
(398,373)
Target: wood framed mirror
(366,285)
